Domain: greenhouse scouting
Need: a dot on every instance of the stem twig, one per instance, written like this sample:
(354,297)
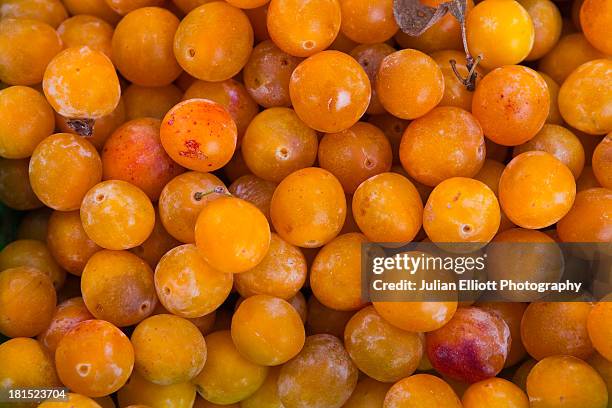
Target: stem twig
(199,195)
(470,63)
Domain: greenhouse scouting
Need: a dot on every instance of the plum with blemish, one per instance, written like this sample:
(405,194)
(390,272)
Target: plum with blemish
(471,347)
(199,134)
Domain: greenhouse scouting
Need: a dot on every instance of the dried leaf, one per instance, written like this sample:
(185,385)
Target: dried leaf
(458,9)
(83,127)
(414,17)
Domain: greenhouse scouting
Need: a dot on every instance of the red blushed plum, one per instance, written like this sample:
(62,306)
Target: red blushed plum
(471,347)
(134,154)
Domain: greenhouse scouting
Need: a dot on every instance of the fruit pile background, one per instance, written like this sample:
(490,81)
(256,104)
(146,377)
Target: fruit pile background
(186,185)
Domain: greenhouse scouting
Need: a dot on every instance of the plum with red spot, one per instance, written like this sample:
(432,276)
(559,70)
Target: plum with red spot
(199,134)
(471,347)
